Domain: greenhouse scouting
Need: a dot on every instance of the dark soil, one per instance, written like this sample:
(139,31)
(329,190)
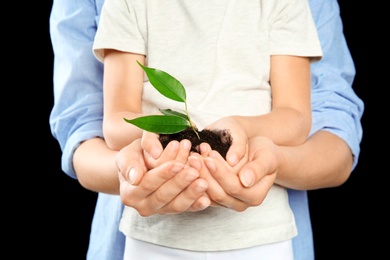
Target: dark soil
(218,140)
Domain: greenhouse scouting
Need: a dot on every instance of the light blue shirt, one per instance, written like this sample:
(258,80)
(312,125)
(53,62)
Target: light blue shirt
(78,108)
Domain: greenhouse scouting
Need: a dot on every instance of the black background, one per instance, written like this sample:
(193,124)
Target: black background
(347,221)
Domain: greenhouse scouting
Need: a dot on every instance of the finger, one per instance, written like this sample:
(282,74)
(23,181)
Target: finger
(178,194)
(169,153)
(263,161)
(192,198)
(144,197)
(205,149)
(201,203)
(173,151)
(237,151)
(151,144)
(236,196)
(226,178)
(184,151)
(260,189)
(216,193)
(155,178)
(130,162)
(150,182)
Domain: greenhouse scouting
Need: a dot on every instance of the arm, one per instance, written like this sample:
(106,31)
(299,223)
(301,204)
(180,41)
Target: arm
(77,113)
(77,116)
(331,153)
(95,165)
(300,167)
(289,121)
(327,158)
(323,161)
(123,84)
(336,107)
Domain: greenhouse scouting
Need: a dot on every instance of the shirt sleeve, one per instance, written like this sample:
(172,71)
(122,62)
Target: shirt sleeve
(336,107)
(77,113)
(115,32)
(293,31)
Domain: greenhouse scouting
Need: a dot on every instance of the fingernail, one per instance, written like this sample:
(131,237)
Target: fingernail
(194,162)
(232,159)
(202,148)
(247,178)
(174,145)
(210,164)
(186,144)
(176,168)
(190,176)
(203,204)
(200,188)
(133,174)
(155,153)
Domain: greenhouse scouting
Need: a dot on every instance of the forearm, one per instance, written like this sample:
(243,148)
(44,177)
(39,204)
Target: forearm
(95,166)
(323,161)
(118,133)
(123,87)
(284,126)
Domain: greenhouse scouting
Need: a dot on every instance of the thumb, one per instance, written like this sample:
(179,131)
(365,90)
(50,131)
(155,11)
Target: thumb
(130,162)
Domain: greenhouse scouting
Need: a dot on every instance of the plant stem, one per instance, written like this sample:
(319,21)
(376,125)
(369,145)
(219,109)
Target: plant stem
(191,124)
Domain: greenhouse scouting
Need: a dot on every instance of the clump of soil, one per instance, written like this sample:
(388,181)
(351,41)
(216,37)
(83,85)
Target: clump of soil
(219,140)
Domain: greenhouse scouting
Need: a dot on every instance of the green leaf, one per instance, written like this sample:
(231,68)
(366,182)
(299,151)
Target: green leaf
(170,112)
(171,121)
(166,84)
(160,124)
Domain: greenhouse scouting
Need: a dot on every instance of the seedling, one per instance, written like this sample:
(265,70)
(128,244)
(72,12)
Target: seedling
(174,125)
(170,122)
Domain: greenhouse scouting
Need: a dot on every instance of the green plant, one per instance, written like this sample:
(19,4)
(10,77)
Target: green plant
(170,121)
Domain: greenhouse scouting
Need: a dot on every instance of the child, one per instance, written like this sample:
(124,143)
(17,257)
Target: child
(230,56)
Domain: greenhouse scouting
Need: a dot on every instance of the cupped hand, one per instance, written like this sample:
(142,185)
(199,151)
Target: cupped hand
(155,155)
(237,150)
(245,185)
(170,188)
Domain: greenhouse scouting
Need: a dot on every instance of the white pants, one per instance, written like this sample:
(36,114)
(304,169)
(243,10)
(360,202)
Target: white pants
(136,250)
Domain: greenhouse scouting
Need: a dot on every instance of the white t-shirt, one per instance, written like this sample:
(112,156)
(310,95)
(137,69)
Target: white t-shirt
(220,50)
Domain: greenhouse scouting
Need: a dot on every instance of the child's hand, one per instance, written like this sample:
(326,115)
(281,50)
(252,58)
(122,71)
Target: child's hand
(237,150)
(155,155)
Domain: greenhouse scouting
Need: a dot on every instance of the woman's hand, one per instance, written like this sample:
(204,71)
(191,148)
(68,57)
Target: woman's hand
(245,185)
(170,188)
